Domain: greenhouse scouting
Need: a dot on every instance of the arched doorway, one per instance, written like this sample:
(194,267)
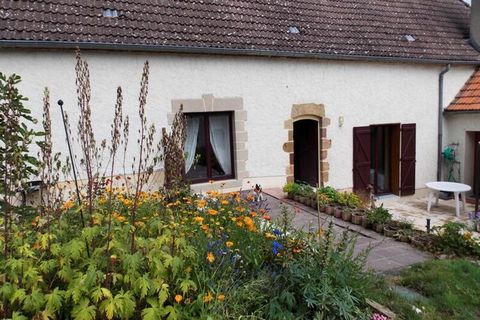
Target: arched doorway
(305,142)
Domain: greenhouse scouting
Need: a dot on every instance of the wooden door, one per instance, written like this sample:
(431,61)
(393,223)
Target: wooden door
(361,159)
(407,158)
(305,142)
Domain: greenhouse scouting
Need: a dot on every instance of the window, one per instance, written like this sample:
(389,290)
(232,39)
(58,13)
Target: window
(209,147)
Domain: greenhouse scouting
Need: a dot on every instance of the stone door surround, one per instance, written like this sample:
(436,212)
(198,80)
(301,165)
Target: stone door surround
(302,112)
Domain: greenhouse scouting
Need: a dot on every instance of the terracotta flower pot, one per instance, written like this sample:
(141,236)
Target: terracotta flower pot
(296,198)
(323,208)
(347,215)
(337,212)
(329,210)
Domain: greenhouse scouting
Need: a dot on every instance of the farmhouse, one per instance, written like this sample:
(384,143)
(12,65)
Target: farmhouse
(340,93)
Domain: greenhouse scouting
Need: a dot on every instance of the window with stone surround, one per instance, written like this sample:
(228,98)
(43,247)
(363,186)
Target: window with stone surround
(209,147)
(209,105)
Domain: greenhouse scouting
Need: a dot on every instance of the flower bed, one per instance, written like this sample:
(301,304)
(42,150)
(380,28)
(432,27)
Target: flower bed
(193,257)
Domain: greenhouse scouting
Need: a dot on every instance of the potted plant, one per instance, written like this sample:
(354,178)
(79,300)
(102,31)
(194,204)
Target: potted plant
(390,228)
(341,204)
(379,216)
(347,214)
(358,216)
(404,235)
(323,201)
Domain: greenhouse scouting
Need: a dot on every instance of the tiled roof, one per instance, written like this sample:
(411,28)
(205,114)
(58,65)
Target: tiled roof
(468,99)
(327,28)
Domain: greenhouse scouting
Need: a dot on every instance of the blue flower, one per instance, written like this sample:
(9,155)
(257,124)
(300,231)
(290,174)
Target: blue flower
(277,232)
(276,247)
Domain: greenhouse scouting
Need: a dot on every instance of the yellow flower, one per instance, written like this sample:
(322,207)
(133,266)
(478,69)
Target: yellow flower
(212,212)
(198,219)
(467,235)
(210,257)
(321,232)
(229,244)
(224,202)
(208,297)
(268,235)
(178,298)
(221,297)
(201,203)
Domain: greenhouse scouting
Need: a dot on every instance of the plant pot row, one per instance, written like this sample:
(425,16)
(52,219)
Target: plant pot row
(355,216)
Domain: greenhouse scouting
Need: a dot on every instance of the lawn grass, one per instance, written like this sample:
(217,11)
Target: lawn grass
(452,287)
(450,290)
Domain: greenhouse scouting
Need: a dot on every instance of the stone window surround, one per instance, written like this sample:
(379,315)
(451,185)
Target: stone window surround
(315,112)
(209,103)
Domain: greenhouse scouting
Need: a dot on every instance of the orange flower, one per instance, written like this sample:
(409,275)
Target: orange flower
(229,244)
(210,257)
(178,298)
(249,222)
(67,205)
(250,197)
(212,212)
(221,297)
(208,297)
(266,217)
(224,202)
(253,214)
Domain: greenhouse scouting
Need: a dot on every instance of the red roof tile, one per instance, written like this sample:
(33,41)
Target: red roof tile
(468,99)
(348,29)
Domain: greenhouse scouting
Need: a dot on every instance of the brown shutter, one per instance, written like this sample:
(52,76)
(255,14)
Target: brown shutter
(361,159)
(407,158)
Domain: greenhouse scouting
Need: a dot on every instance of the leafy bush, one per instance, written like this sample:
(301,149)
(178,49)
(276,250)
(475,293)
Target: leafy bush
(330,192)
(323,199)
(379,215)
(195,257)
(454,238)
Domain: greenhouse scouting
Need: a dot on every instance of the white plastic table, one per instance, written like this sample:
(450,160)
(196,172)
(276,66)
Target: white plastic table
(457,188)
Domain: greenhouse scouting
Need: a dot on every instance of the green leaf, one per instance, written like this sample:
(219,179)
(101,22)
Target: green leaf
(142,286)
(18,316)
(186,284)
(151,314)
(83,310)
(54,300)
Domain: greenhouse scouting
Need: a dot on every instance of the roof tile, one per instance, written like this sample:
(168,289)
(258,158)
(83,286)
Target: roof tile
(468,98)
(352,28)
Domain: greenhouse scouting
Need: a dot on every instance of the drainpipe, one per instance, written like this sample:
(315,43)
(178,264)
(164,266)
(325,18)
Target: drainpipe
(440,122)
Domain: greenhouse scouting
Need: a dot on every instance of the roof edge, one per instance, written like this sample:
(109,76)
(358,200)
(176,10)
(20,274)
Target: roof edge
(445,111)
(217,51)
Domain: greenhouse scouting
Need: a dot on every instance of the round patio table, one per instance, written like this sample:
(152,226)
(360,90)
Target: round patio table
(457,188)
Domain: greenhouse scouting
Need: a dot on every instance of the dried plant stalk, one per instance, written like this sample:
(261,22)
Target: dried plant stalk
(173,145)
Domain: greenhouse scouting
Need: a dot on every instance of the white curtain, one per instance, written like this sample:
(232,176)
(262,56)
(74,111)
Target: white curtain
(191,141)
(220,141)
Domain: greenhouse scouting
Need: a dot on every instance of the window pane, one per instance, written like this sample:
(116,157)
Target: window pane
(195,149)
(221,160)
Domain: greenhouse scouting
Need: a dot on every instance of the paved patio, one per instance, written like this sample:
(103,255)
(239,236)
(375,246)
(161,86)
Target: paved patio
(387,255)
(414,208)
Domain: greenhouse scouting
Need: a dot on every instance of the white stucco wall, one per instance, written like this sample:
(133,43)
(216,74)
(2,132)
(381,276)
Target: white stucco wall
(363,93)
(459,129)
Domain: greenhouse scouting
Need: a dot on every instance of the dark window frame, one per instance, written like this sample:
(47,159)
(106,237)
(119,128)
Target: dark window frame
(208,156)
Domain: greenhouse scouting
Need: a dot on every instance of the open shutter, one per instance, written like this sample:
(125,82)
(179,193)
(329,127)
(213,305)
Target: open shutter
(361,159)
(407,158)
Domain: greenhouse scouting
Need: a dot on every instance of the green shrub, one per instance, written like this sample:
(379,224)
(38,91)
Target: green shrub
(379,215)
(330,192)
(454,238)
